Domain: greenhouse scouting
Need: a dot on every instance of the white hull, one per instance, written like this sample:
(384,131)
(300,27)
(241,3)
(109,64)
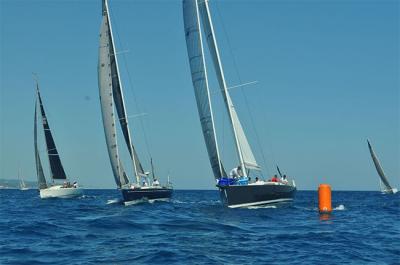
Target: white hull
(391,191)
(59,192)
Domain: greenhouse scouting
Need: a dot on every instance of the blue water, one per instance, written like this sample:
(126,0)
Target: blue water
(194,228)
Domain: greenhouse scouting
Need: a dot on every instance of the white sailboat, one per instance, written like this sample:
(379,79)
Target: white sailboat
(22,185)
(111,94)
(54,189)
(197,18)
(383,180)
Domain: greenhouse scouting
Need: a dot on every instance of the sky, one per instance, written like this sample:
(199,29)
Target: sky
(327,72)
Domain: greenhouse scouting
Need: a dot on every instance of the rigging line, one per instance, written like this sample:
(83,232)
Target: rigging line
(131,88)
(244,95)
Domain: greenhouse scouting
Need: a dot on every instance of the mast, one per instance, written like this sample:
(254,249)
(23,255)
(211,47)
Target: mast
(119,97)
(194,44)
(212,42)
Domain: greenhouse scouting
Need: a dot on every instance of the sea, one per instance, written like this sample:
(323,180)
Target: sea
(194,228)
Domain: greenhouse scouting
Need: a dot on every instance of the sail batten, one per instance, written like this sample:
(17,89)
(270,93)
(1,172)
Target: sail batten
(198,69)
(379,169)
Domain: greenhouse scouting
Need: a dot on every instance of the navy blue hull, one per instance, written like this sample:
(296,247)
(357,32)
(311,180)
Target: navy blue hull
(248,195)
(149,194)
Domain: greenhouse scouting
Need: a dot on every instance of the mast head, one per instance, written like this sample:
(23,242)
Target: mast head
(104,7)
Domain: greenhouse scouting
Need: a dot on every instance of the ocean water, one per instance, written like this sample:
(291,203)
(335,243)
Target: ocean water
(194,228)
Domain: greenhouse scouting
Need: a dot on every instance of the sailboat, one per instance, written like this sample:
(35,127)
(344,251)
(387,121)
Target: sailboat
(22,185)
(384,183)
(57,173)
(111,94)
(234,192)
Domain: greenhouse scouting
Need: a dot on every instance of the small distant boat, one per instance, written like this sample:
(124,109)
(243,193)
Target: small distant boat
(384,182)
(234,192)
(22,185)
(53,190)
(111,93)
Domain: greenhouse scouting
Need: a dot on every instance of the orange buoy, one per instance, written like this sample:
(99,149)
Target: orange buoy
(324,196)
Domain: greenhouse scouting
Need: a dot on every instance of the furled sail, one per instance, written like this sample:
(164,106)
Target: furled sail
(379,169)
(200,83)
(56,168)
(39,169)
(244,151)
(107,102)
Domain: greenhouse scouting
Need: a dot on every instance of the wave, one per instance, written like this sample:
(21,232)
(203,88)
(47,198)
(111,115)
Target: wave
(114,201)
(262,207)
(339,208)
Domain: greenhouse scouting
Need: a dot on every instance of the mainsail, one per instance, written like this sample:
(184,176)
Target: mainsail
(39,169)
(194,45)
(56,168)
(379,169)
(110,89)
(244,151)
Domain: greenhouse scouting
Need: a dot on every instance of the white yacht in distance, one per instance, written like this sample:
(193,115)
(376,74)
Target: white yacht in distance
(53,190)
(385,186)
(22,185)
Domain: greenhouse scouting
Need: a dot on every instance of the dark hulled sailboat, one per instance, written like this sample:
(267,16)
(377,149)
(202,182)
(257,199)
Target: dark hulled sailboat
(234,193)
(111,94)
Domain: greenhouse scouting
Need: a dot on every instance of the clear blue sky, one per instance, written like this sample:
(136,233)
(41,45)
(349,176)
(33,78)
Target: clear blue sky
(328,77)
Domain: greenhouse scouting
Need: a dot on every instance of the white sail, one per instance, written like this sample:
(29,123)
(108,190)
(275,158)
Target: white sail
(107,103)
(198,69)
(244,151)
(379,169)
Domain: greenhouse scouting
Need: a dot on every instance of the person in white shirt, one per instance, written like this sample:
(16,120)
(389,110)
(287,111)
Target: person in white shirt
(156,183)
(236,172)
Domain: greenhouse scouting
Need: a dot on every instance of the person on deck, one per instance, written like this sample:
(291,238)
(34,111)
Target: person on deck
(156,183)
(275,178)
(236,172)
(75,184)
(284,179)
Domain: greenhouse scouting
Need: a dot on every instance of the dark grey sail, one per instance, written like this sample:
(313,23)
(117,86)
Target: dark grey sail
(56,168)
(379,169)
(39,169)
